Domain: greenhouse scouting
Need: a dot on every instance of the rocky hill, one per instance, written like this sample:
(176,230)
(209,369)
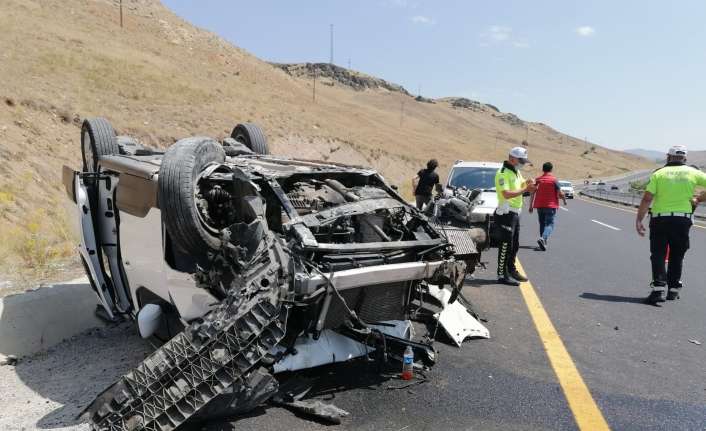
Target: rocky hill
(160,79)
(331,74)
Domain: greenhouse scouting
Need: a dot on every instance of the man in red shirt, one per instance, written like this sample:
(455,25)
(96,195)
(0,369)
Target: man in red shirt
(546,200)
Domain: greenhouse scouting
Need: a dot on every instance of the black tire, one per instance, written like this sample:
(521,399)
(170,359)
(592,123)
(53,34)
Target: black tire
(97,140)
(252,137)
(181,165)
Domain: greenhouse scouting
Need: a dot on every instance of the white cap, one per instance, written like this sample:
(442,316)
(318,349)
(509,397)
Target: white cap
(519,153)
(677,150)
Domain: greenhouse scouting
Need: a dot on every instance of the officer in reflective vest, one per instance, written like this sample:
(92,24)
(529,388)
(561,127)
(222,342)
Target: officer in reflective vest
(510,186)
(670,192)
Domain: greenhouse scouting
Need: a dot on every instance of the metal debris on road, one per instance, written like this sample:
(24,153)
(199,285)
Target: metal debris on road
(315,408)
(697,342)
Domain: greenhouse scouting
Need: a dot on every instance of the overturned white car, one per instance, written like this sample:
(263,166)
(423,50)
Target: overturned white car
(240,261)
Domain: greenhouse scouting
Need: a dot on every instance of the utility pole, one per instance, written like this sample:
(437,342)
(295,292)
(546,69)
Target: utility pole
(121,13)
(331,59)
(314,94)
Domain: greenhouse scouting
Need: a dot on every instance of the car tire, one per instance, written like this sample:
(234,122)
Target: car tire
(181,165)
(252,137)
(97,140)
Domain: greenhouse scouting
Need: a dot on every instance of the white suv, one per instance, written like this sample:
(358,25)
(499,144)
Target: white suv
(567,188)
(480,176)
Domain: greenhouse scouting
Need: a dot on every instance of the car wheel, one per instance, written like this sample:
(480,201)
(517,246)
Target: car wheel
(97,140)
(181,165)
(252,137)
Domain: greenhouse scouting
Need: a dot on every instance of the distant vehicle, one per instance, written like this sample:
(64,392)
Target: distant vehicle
(594,183)
(601,185)
(567,188)
(614,187)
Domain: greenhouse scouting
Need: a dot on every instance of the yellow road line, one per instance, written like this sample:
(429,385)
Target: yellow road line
(586,413)
(591,201)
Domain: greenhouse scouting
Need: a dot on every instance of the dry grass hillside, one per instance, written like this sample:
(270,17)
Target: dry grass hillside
(160,79)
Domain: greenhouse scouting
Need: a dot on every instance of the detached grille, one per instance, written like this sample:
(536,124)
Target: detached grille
(371,303)
(461,239)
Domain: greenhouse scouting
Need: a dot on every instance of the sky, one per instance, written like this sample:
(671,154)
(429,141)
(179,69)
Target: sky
(623,74)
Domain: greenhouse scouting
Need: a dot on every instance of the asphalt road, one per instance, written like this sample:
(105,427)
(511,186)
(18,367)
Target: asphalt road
(636,359)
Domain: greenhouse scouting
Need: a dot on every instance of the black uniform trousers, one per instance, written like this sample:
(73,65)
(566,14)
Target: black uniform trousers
(509,242)
(672,232)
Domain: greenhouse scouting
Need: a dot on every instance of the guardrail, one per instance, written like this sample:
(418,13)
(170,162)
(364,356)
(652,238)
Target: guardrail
(631,198)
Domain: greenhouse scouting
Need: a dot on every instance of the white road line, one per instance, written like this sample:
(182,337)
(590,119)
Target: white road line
(606,225)
(563,209)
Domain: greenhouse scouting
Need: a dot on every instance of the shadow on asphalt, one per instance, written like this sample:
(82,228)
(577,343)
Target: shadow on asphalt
(480,282)
(75,371)
(324,384)
(613,298)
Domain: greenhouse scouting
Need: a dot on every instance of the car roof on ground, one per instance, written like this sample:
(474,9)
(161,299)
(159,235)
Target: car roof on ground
(464,164)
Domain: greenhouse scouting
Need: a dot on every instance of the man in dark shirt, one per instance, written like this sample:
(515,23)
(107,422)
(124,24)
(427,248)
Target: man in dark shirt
(425,181)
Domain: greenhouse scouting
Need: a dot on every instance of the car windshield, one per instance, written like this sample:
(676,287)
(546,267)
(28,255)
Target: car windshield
(473,178)
(564,184)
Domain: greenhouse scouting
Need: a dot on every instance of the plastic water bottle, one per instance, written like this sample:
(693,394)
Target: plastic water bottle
(407,363)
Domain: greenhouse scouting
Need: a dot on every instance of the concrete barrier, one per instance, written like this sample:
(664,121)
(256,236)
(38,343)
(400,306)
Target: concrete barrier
(36,320)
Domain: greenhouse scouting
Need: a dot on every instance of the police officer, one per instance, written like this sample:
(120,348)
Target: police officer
(510,186)
(670,191)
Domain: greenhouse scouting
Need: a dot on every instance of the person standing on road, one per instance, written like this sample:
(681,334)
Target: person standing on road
(670,191)
(546,200)
(425,181)
(510,186)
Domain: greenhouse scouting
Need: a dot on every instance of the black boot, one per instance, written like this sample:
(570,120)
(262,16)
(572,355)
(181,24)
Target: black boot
(507,280)
(514,273)
(657,294)
(674,292)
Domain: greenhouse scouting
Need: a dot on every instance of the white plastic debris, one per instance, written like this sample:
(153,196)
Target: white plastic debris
(332,347)
(458,323)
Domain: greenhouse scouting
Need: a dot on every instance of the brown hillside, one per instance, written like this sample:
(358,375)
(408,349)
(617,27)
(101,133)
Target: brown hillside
(160,79)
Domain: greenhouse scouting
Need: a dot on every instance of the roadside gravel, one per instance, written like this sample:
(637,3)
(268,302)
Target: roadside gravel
(48,390)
